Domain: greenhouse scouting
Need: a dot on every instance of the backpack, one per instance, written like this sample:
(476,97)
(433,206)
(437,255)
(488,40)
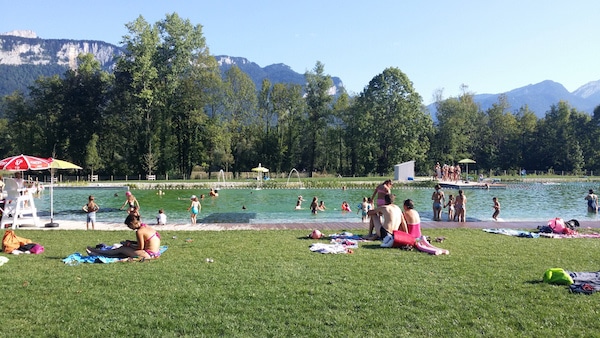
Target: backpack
(572,224)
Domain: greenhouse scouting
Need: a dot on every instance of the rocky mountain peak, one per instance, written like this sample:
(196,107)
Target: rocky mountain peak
(22,34)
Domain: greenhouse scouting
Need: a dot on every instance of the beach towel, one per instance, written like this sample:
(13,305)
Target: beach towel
(77,258)
(346,235)
(513,232)
(336,248)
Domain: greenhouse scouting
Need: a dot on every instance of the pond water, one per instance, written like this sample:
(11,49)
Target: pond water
(520,202)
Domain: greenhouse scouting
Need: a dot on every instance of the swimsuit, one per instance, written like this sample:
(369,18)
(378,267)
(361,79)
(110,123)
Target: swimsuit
(153,254)
(591,204)
(414,230)
(437,205)
(194,210)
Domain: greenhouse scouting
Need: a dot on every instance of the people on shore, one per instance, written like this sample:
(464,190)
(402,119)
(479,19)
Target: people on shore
(461,207)
(385,219)
(380,191)
(90,208)
(413,219)
(496,208)
(194,208)
(438,202)
(147,245)
(161,218)
(592,201)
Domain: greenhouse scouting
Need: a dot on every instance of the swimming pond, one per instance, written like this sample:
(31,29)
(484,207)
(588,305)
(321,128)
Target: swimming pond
(519,202)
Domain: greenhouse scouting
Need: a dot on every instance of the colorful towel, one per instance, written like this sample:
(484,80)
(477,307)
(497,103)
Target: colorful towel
(77,258)
(513,232)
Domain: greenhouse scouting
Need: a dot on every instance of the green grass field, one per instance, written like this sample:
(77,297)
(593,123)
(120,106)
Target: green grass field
(268,284)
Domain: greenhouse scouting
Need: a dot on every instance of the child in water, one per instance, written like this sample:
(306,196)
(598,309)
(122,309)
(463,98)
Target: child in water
(346,206)
(450,206)
(364,208)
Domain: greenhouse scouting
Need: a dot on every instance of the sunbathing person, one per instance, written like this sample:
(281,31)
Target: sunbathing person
(147,245)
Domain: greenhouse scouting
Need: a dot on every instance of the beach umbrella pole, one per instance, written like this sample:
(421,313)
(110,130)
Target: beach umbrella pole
(51,224)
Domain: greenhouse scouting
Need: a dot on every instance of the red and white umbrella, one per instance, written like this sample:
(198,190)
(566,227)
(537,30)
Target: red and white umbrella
(24,162)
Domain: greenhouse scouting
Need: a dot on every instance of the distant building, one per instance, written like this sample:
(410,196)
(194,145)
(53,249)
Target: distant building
(404,171)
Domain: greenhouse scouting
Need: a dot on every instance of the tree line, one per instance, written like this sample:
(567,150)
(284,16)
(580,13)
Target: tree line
(167,109)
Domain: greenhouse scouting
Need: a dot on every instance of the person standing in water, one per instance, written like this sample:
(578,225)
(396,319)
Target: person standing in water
(460,205)
(592,201)
(438,202)
(383,189)
(314,206)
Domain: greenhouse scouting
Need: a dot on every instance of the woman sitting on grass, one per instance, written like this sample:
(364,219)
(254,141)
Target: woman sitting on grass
(147,245)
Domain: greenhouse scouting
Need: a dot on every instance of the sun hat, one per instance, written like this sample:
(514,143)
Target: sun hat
(128,193)
(193,197)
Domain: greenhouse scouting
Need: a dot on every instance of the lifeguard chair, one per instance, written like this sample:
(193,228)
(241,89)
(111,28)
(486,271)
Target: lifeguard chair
(19,207)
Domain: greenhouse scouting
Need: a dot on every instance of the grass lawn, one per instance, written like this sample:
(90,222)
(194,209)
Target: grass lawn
(268,284)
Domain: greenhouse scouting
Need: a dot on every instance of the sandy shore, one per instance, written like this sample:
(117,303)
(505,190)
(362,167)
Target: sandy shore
(330,226)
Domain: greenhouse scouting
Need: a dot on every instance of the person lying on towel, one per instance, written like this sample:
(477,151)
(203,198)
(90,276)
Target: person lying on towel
(147,245)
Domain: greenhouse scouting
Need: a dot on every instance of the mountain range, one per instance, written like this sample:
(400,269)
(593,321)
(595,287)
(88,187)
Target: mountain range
(24,57)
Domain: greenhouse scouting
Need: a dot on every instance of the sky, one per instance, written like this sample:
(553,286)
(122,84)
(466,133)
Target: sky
(490,46)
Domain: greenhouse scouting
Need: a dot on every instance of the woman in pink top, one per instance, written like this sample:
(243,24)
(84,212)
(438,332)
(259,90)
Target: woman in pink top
(413,220)
(383,189)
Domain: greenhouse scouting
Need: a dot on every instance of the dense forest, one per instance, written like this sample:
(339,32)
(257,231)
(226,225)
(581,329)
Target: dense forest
(167,109)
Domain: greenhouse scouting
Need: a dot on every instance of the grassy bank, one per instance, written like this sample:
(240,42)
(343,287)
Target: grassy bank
(268,284)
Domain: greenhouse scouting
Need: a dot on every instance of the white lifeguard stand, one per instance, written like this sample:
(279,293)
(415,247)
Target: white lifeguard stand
(19,207)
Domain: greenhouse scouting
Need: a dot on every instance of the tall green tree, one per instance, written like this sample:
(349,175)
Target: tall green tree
(289,106)
(241,105)
(400,129)
(318,102)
